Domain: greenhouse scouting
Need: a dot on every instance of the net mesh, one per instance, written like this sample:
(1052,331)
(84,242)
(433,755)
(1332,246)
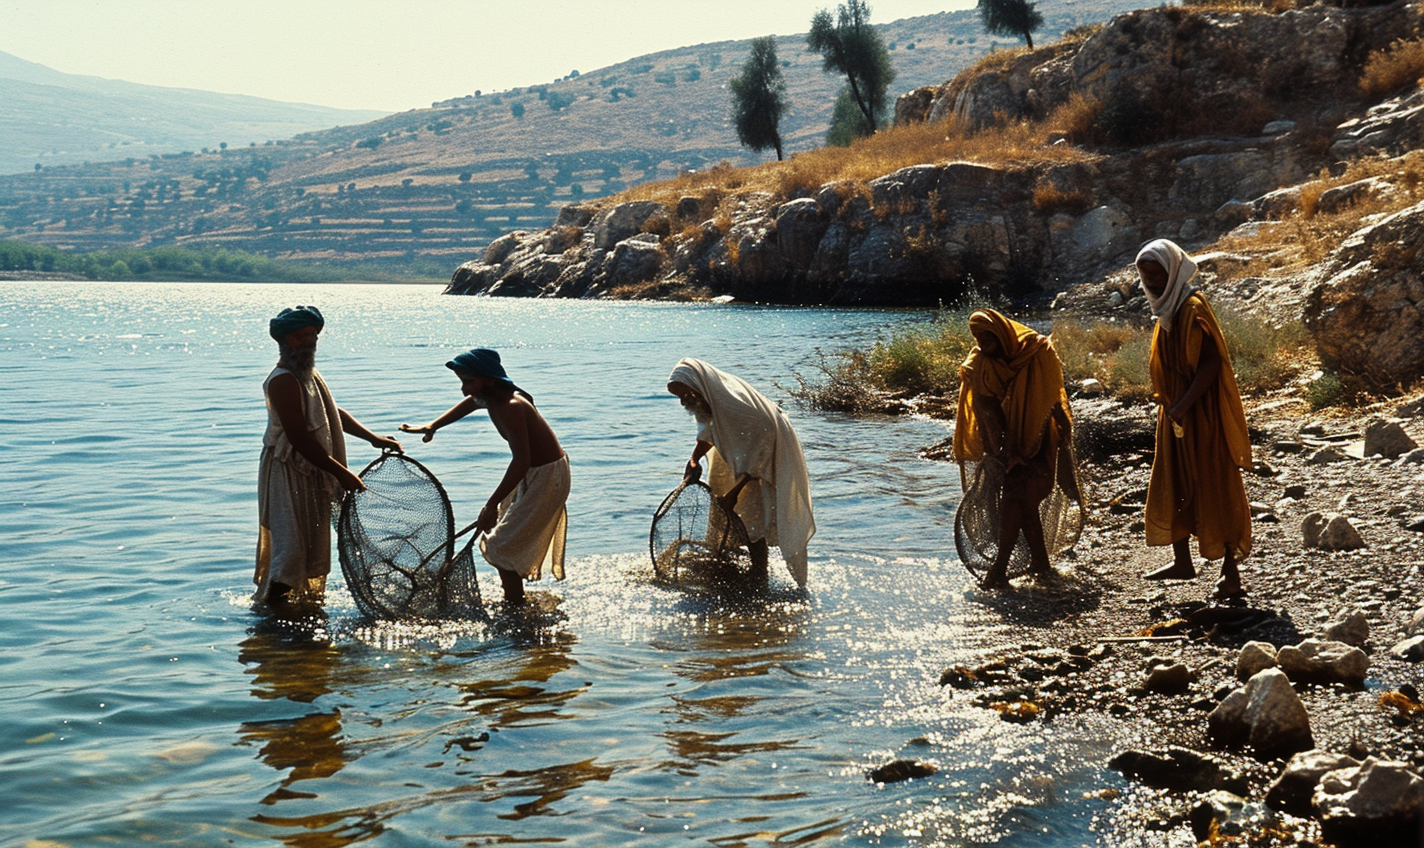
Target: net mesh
(396,541)
(976,521)
(695,542)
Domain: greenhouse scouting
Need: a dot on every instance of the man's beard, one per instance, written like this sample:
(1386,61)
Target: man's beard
(698,409)
(300,361)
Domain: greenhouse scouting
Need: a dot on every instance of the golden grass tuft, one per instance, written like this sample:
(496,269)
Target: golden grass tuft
(1311,236)
(1399,65)
(1023,143)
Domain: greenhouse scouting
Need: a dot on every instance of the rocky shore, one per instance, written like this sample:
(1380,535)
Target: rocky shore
(1291,717)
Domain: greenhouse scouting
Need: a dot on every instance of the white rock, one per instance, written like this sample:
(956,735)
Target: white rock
(1254,657)
(1266,716)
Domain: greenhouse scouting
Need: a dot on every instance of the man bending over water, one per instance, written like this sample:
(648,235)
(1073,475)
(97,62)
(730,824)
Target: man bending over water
(755,464)
(524,522)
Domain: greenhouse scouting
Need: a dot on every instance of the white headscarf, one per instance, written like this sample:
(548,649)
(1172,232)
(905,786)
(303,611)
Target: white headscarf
(751,435)
(1180,271)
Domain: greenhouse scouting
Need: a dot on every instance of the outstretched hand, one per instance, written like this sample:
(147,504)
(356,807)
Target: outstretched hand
(427,429)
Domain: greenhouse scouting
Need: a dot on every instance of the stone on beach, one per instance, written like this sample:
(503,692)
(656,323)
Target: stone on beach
(1179,769)
(1254,657)
(1375,803)
(1387,439)
(1351,627)
(1292,791)
(1330,531)
(1266,716)
(1316,661)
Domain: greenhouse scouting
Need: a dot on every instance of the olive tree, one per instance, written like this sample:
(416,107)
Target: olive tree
(851,46)
(759,98)
(1011,17)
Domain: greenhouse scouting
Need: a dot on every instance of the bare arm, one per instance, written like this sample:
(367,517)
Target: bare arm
(1208,369)
(450,416)
(285,395)
(349,424)
(694,465)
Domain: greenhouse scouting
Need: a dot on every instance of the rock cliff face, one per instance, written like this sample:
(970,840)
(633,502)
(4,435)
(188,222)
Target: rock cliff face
(1205,122)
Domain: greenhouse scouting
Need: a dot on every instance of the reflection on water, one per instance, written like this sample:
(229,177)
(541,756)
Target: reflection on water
(293,660)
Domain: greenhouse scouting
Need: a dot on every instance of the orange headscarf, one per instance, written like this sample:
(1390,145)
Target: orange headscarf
(1027,380)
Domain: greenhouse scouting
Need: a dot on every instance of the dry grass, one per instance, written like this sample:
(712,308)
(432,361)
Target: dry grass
(1389,70)
(1023,143)
(1312,235)
(925,360)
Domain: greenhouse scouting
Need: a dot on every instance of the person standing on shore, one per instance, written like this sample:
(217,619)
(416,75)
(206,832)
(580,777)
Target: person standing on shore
(1013,410)
(303,467)
(525,521)
(755,464)
(1202,442)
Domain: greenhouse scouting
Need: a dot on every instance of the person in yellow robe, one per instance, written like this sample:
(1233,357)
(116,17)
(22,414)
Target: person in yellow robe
(1013,410)
(1202,443)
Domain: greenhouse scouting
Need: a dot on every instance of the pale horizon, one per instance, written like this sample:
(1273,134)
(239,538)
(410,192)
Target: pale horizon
(384,56)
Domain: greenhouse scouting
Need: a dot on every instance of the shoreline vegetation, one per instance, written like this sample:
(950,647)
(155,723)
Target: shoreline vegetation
(917,368)
(24,261)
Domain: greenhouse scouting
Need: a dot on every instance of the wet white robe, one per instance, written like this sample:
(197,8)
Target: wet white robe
(750,435)
(533,524)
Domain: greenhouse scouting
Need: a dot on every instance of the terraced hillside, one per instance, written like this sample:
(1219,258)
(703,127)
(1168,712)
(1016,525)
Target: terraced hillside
(426,189)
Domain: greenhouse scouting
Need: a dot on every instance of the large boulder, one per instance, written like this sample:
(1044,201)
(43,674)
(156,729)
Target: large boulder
(635,260)
(626,220)
(1293,790)
(1372,804)
(1266,717)
(1367,318)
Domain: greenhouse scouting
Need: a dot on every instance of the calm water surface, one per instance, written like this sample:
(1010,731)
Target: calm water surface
(141,700)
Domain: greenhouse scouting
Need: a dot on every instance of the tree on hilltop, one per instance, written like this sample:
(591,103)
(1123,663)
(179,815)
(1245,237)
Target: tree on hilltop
(759,98)
(1011,17)
(851,46)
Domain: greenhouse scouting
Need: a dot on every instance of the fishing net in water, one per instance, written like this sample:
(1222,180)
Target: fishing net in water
(397,540)
(976,522)
(694,542)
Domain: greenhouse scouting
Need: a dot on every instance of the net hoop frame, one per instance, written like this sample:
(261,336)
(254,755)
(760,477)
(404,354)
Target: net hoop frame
(376,608)
(735,557)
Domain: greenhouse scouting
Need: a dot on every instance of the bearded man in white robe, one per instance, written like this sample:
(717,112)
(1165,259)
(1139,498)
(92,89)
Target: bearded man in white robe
(755,464)
(303,470)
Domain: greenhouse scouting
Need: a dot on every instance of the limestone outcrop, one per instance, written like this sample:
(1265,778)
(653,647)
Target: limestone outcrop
(1209,122)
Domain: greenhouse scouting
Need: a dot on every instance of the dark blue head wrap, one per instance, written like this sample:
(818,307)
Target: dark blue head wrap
(484,362)
(294,318)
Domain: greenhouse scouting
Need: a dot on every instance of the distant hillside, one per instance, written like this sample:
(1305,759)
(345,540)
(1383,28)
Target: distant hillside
(432,187)
(52,118)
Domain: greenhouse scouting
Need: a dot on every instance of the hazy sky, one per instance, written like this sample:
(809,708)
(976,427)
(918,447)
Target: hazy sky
(384,54)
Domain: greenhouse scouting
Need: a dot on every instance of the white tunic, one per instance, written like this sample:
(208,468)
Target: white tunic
(294,497)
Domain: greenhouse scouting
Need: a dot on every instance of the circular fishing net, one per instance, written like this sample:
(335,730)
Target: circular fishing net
(396,541)
(696,543)
(976,521)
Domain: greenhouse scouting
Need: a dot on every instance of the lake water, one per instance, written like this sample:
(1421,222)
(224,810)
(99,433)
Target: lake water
(142,700)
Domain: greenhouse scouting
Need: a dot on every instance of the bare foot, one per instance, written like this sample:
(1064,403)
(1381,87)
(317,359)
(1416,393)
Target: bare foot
(1227,590)
(994,580)
(1175,571)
